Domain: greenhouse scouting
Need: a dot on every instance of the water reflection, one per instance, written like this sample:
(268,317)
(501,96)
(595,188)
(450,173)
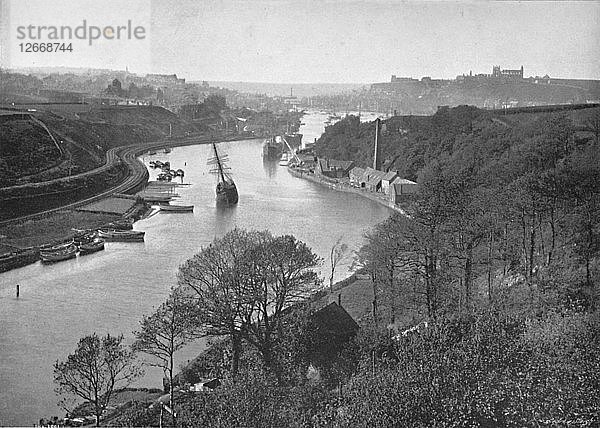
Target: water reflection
(270,167)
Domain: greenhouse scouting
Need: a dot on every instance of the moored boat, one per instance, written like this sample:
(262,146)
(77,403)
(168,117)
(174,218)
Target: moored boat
(285,160)
(272,148)
(91,247)
(56,247)
(226,189)
(123,224)
(52,256)
(121,235)
(294,140)
(177,208)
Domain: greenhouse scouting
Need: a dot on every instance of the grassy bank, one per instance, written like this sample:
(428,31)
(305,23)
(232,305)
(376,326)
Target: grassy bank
(52,228)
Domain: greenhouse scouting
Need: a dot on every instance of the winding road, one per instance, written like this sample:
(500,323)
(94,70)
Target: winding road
(127,154)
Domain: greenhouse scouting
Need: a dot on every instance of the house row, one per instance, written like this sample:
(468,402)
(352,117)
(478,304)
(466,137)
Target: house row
(373,180)
(388,183)
(333,168)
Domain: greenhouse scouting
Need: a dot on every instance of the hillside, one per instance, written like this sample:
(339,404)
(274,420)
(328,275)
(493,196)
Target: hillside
(83,138)
(412,141)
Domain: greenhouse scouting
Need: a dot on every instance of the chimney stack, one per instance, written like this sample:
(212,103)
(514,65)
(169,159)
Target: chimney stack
(377,154)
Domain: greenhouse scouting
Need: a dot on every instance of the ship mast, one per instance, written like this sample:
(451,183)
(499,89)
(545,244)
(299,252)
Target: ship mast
(219,163)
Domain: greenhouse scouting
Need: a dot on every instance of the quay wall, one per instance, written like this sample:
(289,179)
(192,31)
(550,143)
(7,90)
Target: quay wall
(380,198)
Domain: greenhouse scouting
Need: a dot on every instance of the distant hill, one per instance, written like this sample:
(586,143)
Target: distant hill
(283,89)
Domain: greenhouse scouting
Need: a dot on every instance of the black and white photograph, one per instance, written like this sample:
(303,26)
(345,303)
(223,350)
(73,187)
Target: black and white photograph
(299,213)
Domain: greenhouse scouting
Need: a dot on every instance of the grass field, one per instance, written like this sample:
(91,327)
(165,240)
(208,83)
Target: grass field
(52,228)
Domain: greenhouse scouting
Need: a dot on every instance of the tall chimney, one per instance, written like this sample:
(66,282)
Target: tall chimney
(377,154)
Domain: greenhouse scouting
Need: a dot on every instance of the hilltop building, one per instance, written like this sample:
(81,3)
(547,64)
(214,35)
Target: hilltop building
(164,79)
(507,74)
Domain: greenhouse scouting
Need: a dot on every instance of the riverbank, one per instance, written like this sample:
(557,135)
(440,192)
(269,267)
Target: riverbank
(341,186)
(55,225)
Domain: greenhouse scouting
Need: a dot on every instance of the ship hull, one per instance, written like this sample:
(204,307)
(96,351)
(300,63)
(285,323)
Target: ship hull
(227,194)
(271,151)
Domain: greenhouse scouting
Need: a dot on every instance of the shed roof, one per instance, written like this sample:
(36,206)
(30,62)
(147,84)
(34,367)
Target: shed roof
(403,181)
(390,175)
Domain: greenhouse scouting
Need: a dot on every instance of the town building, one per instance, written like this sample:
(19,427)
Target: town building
(333,168)
(507,74)
(387,179)
(401,189)
(356,174)
(206,385)
(372,179)
(164,79)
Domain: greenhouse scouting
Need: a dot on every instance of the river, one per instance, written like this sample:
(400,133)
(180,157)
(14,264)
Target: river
(108,292)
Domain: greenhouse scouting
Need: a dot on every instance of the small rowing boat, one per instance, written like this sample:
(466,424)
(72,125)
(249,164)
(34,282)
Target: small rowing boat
(91,247)
(123,224)
(121,235)
(51,248)
(52,256)
(177,208)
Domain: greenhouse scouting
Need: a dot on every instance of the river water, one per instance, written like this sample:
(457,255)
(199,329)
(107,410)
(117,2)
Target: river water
(108,292)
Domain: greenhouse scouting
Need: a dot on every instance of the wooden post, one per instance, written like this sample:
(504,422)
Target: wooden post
(18,291)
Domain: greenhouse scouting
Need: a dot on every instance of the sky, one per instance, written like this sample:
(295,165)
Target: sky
(336,41)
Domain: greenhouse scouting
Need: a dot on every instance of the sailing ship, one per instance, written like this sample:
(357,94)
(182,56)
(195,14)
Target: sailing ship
(226,190)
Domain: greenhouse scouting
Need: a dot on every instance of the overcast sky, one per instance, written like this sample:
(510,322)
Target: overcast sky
(324,41)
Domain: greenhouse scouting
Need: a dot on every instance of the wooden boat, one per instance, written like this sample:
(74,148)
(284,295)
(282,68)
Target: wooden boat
(123,224)
(272,148)
(91,247)
(56,247)
(284,161)
(177,208)
(58,255)
(226,190)
(84,238)
(121,235)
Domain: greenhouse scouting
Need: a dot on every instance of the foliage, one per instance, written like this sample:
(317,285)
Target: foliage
(166,331)
(243,282)
(98,366)
(488,370)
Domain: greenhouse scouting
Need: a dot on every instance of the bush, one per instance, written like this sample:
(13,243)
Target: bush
(488,370)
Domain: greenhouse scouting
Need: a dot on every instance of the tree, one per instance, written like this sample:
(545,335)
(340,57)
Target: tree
(280,273)
(98,366)
(243,282)
(166,331)
(217,277)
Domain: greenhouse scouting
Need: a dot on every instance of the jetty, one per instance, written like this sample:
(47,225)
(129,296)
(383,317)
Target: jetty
(158,191)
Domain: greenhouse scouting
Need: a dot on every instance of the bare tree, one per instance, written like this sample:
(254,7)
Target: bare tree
(166,331)
(218,279)
(95,369)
